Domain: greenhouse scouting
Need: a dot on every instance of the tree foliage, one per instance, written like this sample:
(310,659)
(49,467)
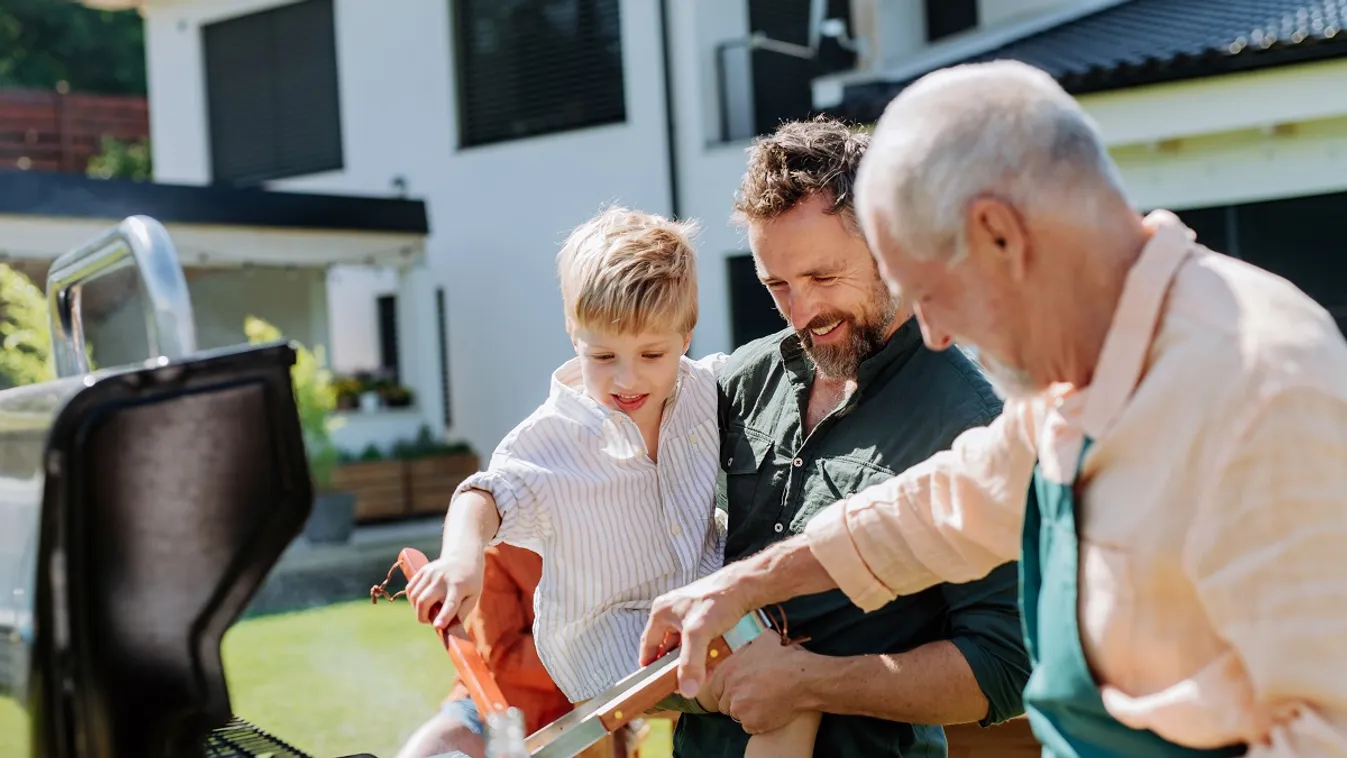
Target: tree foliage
(44,42)
(122,160)
(25,331)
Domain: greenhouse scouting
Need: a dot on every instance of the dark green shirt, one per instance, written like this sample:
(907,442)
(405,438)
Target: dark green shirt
(910,402)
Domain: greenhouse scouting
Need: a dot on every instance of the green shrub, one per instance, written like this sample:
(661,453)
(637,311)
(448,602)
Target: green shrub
(316,398)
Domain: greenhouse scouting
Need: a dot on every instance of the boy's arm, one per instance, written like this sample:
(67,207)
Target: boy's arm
(509,486)
(471,523)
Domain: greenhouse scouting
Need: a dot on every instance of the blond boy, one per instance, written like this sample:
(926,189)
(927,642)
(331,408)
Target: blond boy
(612,479)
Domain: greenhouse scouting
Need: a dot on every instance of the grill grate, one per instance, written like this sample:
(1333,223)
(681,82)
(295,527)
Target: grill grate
(240,739)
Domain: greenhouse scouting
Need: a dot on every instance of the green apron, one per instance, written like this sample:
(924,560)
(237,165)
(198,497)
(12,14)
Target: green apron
(1061,699)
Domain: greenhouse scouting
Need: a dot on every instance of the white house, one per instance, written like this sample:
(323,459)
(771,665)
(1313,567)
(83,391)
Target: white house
(516,119)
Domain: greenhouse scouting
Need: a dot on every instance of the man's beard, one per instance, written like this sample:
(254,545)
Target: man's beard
(866,334)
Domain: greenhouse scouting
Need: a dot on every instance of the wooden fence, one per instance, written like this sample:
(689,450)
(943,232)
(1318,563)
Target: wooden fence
(43,130)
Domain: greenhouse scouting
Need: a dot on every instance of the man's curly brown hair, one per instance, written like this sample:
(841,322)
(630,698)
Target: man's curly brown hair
(819,156)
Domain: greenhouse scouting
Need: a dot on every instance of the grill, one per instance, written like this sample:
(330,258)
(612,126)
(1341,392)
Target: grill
(240,739)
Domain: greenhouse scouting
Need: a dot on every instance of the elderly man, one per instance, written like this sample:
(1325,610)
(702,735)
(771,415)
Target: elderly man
(1170,466)
(846,396)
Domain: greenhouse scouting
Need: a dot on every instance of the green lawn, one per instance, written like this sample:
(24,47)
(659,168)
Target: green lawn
(349,678)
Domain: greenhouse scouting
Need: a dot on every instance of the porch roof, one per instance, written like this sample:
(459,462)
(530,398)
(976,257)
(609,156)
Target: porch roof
(43,215)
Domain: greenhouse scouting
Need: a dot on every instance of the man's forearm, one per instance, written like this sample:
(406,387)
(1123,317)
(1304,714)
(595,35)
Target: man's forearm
(932,684)
(782,571)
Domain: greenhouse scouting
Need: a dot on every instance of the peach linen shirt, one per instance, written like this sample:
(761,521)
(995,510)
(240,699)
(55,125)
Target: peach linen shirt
(1213,523)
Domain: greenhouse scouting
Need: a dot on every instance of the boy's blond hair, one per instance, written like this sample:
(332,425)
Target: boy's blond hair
(626,271)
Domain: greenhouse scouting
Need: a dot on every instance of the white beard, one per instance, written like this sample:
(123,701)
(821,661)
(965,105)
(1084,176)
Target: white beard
(1006,382)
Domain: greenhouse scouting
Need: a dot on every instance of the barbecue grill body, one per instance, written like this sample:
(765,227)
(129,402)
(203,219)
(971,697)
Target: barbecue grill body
(140,510)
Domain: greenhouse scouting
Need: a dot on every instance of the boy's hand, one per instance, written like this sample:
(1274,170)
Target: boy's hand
(454,580)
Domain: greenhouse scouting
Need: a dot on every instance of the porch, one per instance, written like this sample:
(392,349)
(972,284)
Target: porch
(274,255)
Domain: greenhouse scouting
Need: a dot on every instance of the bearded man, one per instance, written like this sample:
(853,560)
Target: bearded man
(846,396)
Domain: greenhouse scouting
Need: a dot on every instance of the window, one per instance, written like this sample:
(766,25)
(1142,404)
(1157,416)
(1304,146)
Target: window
(534,67)
(271,81)
(442,327)
(387,310)
(753,313)
(946,17)
(783,84)
(1301,239)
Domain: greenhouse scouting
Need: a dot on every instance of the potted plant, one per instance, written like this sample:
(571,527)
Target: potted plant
(435,468)
(395,396)
(333,515)
(348,392)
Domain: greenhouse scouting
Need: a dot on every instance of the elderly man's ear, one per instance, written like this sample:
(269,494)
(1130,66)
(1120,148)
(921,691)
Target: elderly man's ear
(998,236)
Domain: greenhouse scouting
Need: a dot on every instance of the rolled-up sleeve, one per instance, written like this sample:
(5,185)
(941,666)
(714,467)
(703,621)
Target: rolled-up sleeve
(511,480)
(984,624)
(1268,554)
(952,518)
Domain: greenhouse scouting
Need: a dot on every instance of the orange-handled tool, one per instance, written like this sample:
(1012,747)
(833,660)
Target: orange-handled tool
(472,670)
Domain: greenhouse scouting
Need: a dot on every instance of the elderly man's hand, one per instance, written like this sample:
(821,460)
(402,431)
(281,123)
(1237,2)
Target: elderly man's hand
(689,618)
(760,685)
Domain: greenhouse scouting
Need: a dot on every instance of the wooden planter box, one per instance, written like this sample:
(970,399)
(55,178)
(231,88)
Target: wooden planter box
(380,488)
(431,481)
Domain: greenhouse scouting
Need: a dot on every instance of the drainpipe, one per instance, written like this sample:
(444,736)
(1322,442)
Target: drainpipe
(670,120)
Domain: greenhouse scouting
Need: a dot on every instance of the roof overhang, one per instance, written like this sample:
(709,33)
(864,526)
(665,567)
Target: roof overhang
(45,215)
(1115,46)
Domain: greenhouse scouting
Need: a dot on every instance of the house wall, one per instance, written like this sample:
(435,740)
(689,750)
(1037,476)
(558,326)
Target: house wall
(499,212)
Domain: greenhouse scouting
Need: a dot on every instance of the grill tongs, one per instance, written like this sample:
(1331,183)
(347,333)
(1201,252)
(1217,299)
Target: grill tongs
(606,713)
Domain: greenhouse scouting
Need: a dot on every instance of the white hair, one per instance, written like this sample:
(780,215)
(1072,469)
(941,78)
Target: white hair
(1002,128)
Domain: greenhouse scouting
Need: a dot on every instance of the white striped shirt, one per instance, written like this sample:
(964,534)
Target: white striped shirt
(573,483)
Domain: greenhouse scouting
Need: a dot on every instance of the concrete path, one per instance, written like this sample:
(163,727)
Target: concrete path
(309,576)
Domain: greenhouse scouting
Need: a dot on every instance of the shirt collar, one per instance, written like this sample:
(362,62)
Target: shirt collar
(1128,342)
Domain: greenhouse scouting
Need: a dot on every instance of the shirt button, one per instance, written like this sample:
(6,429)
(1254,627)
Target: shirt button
(798,462)
(694,439)
(778,528)
(675,529)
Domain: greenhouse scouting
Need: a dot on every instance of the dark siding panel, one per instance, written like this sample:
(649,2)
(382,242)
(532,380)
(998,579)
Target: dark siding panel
(388,334)
(272,94)
(534,67)
(946,17)
(1210,226)
(782,84)
(1303,239)
(442,326)
(753,313)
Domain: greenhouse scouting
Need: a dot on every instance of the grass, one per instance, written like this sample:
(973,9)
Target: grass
(335,681)
(345,679)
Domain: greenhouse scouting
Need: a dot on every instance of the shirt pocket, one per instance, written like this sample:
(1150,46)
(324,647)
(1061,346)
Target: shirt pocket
(743,462)
(836,478)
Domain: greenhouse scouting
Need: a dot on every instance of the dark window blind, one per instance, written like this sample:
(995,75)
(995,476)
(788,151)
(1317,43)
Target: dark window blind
(534,67)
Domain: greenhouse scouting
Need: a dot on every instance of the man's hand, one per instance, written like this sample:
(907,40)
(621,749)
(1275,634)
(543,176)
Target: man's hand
(760,685)
(689,618)
(694,615)
(454,580)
